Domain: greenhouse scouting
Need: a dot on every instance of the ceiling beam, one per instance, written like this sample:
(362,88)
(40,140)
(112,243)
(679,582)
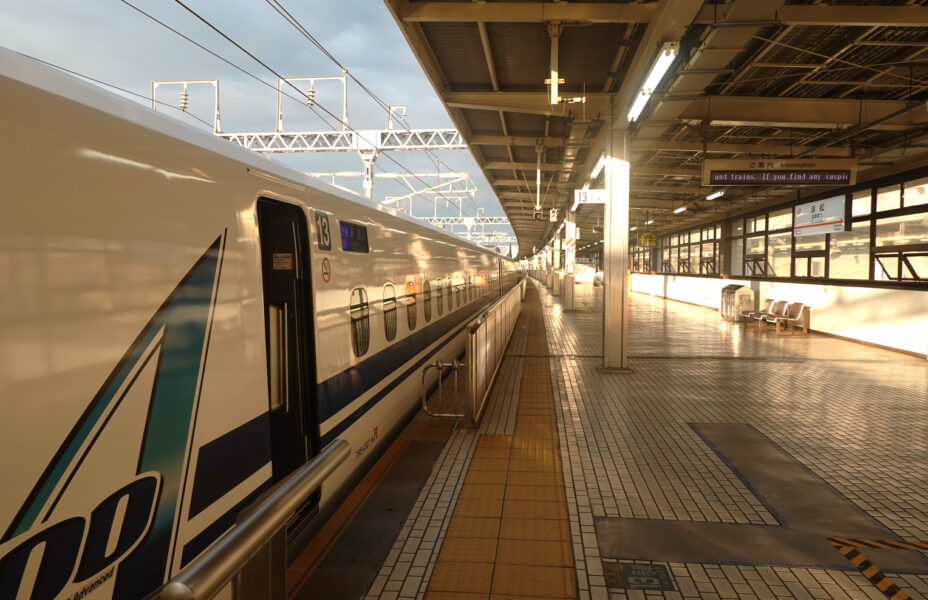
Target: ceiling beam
(721,148)
(816,113)
(664,171)
(521,12)
(526,166)
(515,140)
(832,15)
(537,103)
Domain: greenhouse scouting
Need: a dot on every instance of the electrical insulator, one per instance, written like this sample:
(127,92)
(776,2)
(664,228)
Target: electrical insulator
(310,97)
(184,99)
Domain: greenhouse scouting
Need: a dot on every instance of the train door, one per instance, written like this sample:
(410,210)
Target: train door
(288,325)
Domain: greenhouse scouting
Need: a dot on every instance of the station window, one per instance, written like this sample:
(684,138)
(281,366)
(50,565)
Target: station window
(439,297)
(360,322)
(411,311)
(915,193)
(427,299)
(888,198)
(860,203)
(389,311)
(849,253)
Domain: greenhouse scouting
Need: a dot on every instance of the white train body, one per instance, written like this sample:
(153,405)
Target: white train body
(147,394)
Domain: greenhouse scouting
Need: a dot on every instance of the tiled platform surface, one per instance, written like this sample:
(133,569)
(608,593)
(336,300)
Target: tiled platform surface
(856,416)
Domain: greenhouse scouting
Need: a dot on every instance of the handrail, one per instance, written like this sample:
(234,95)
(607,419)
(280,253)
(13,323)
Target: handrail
(206,576)
(485,348)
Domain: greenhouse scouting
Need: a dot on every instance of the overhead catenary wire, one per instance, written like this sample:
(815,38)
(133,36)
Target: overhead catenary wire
(290,18)
(281,78)
(114,86)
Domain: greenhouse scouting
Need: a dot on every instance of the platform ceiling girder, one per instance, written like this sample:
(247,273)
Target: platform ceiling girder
(817,113)
(522,12)
(828,15)
(756,77)
(535,103)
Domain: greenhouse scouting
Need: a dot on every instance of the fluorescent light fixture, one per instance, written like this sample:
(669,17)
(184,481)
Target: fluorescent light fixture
(658,69)
(648,222)
(576,204)
(599,166)
(640,101)
(715,195)
(677,211)
(634,229)
(586,186)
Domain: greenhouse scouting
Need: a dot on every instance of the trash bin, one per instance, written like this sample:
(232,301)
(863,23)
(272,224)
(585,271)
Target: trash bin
(736,298)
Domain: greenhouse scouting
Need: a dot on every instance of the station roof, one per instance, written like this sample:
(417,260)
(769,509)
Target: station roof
(752,78)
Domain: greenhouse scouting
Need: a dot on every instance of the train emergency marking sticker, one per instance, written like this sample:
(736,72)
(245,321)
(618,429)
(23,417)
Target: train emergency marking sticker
(282,261)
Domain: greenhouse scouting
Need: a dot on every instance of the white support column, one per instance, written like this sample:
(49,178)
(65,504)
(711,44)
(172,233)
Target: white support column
(615,253)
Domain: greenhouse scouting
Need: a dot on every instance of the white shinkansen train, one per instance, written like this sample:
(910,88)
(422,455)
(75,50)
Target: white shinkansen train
(183,323)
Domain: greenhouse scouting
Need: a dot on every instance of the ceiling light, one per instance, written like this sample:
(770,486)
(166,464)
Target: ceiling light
(658,69)
(649,222)
(633,228)
(599,166)
(715,195)
(677,211)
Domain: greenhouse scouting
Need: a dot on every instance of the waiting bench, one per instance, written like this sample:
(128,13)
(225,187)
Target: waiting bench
(787,318)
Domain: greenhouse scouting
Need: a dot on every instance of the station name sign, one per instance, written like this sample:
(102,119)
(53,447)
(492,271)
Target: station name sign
(822,216)
(780,171)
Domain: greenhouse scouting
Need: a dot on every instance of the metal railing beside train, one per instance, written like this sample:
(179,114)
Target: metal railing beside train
(252,556)
(487,338)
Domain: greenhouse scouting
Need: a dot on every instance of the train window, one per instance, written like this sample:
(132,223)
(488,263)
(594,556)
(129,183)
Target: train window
(440,297)
(427,299)
(389,311)
(450,294)
(360,322)
(411,311)
(470,289)
(354,237)
(457,294)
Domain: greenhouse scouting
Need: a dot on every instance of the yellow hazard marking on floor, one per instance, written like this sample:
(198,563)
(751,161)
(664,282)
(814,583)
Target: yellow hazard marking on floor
(509,534)
(848,548)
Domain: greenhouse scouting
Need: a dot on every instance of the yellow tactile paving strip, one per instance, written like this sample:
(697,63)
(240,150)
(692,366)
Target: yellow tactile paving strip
(509,536)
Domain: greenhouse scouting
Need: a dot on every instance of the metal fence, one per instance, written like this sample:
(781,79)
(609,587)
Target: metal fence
(487,337)
(252,556)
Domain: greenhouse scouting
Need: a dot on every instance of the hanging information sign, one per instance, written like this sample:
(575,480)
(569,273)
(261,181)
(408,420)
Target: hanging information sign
(779,171)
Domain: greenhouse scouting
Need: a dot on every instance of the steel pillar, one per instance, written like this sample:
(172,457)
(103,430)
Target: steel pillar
(615,252)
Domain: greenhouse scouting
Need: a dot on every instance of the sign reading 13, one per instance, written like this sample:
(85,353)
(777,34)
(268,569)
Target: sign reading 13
(323,233)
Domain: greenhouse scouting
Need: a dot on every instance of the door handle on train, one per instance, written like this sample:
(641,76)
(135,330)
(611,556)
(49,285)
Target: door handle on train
(279,357)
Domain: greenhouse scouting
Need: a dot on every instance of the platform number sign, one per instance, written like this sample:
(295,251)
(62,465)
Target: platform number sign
(323,232)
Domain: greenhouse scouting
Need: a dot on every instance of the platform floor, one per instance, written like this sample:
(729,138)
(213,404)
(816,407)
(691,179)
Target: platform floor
(719,468)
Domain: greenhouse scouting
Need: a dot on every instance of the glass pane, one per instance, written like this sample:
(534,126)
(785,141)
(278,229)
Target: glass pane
(860,203)
(439,298)
(427,299)
(810,242)
(738,229)
(916,192)
(360,322)
(920,264)
(755,245)
(850,253)
(778,254)
(708,233)
(888,198)
(737,257)
(817,264)
(389,311)
(694,236)
(674,263)
(886,268)
(899,231)
(760,223)
(749,225)
(708,249)
(801,265)
(684,252)
(782,219)
(411,312)
(665,255)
